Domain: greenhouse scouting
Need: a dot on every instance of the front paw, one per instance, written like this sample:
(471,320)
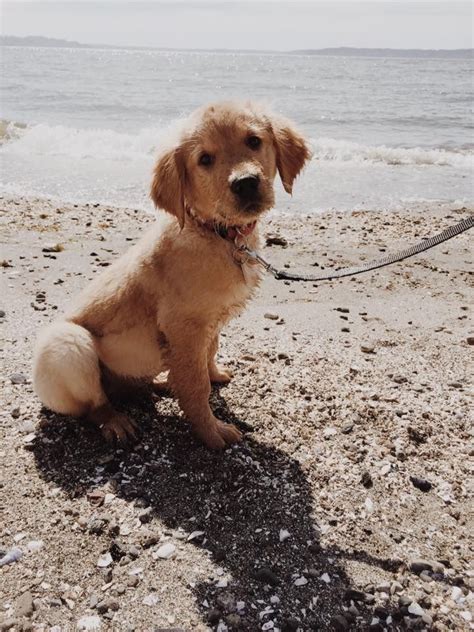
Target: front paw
(219,435)
(219,374)
(119,429)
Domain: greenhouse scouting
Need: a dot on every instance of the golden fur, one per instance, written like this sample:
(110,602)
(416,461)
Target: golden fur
(161,306)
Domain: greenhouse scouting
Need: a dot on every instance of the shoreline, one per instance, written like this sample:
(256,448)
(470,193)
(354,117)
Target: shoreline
(351,393)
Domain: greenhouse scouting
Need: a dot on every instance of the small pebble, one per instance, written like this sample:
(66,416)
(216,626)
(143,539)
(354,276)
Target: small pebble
(301,581)
(104,560)
(18,378)
(53,248)
(416,609)
(421,484)
(284,535)
(339,623)
(165,551)
(276,240)
(267,576)
(133,581)
(146,515)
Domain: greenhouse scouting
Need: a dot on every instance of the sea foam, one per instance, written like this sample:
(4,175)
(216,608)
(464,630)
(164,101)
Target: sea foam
(107,144)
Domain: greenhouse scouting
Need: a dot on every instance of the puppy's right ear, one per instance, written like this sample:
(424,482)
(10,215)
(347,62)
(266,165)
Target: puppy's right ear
(167,186)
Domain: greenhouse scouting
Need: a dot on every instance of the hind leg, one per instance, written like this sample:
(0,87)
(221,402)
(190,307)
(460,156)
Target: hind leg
(67,379)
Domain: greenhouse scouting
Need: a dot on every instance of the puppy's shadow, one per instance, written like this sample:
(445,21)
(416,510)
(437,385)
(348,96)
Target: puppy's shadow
(253,503)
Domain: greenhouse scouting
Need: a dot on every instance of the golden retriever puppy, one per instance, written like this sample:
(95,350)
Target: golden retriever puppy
(161,306)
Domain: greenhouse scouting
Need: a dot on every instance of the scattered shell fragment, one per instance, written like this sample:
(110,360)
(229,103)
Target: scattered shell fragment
(194,535)
(301,581)
(416,609)
(35,545)
(11,556)
(222,583)
(284,535)
(165,551)
(104,560)
(151,600)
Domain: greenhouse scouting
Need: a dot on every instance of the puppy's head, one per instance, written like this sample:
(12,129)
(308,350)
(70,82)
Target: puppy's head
(223,165)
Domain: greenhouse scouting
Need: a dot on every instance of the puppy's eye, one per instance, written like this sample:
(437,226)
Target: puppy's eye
(254,142)
(205,160)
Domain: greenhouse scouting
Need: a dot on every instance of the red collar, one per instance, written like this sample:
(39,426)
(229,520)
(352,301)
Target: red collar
(226,232)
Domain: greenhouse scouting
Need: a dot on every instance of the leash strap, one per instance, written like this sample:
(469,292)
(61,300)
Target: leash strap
(426,244)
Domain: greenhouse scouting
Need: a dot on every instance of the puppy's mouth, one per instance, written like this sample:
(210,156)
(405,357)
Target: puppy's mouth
(255,206)
(244,212)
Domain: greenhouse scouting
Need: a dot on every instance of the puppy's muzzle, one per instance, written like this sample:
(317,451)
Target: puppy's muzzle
(246,188)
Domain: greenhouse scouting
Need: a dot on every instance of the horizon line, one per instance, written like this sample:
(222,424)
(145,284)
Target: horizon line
(65,43)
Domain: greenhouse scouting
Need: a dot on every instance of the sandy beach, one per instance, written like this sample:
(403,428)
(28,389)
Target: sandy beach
(347,506)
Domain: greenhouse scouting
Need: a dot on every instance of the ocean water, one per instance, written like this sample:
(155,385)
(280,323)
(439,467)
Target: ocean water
(84,125)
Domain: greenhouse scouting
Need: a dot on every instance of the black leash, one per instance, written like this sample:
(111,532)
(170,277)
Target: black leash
(426,244)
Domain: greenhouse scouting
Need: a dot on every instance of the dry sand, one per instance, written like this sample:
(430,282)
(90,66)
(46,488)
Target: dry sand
(347,391)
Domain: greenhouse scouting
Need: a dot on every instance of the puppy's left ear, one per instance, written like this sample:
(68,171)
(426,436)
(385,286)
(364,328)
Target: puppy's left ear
(167,186)
(292,152)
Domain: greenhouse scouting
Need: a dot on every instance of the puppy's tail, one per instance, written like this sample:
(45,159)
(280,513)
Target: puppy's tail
(66,372)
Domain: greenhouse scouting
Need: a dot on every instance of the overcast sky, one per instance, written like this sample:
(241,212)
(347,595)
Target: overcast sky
(246,25)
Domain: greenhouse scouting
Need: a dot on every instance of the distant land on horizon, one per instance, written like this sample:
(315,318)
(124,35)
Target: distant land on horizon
(340,51)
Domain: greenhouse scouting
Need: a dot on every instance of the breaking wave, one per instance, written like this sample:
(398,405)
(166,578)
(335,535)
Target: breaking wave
(106,144)
(346,151)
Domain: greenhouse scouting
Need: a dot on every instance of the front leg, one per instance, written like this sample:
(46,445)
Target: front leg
(189,381)
(218,374)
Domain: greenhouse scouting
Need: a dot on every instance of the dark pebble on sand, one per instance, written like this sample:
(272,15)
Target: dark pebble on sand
(213,616)
(219,555)
(267,576)
(106,605)
(118,550)
(290,625)
(381,613)
(354,595)
(421,483)
(97,526)
(339,623)
(276,240)
(366,480)
(419,565)
(146,515)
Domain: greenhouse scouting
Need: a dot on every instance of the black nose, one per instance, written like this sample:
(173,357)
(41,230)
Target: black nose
(246,188)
